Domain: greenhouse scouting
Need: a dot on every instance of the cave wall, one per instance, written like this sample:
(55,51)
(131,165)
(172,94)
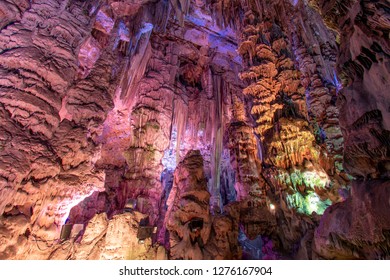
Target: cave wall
(363,30)
(265,120)
(49,118)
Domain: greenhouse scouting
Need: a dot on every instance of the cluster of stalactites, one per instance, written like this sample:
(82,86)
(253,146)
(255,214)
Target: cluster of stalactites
(274,83)
(238,13)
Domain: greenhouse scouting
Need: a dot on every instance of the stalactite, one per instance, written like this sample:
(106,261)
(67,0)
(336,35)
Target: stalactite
(162,14)
(139,57)
(217,138)
(181,8)
(180,122)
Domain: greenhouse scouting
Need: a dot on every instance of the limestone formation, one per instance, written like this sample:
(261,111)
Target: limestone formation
(194,129)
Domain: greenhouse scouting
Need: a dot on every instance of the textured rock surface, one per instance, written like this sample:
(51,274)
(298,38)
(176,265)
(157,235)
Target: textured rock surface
(363,66)
(47,162)
(357,228)
(233,129)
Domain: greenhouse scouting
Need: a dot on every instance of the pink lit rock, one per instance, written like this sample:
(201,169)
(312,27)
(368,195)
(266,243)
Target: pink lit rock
(104,22)
(189,201)
(88,55)
(121,8)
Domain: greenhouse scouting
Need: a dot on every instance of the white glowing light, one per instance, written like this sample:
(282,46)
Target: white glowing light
(313,203)
(272,207)
(76,200)
(314,199)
